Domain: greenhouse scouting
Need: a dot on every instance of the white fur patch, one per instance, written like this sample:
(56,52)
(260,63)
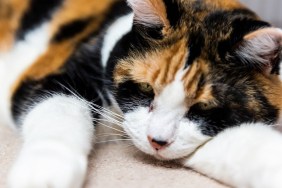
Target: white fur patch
(57,136)
(114,33)
(169,108)
(187,137)
(166,123)
(248,156)
(16,61)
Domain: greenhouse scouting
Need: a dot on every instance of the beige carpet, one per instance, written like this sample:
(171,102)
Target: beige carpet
(116,165)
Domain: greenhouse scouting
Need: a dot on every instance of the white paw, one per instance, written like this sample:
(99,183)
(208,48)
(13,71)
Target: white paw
(271,178)
(48,170)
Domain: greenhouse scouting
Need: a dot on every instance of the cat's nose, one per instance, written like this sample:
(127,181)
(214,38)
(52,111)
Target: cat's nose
(157,144)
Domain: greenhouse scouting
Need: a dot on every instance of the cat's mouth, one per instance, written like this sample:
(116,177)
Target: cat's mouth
(159,155)
(162,157)
(166,155)
(169,154)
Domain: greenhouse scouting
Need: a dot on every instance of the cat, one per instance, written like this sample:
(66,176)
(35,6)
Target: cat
(181,73)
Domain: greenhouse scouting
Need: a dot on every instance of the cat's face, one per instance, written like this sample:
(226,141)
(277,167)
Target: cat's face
(207,68)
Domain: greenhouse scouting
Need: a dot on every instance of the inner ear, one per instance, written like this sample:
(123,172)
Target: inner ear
(261,49)
(150,13)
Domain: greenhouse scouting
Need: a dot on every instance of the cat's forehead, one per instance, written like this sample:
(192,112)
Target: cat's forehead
(160,68)
(157,67)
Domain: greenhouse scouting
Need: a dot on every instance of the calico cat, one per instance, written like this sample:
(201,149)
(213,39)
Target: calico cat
(180,72)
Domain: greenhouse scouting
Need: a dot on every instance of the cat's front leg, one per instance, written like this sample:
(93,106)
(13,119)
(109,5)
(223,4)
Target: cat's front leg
(249,156)
(58,134)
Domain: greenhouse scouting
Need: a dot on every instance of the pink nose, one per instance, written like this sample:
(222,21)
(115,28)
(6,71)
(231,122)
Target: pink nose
(157,144)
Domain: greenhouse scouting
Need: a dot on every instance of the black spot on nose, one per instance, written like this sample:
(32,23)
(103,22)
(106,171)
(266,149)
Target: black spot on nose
(159,142)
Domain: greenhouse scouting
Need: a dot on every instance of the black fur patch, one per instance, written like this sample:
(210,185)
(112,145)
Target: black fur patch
(69,30)
(233,108)
(133,41)
(241,22)
(82,75)
(150,32)
(38,12)
(196,43)
(225,29)
(174,12)
(129,96)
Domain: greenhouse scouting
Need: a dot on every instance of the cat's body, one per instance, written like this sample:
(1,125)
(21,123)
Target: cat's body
(180,71)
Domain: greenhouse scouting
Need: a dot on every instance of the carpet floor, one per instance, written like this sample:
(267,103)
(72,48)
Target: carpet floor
(116,165)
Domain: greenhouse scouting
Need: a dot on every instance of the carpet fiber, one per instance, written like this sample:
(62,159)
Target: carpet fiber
(116,165)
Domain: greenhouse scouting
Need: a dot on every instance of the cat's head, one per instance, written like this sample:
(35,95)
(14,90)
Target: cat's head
(195,69)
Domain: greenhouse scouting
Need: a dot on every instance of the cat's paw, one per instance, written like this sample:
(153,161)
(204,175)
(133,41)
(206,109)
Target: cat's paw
(48,170)
(271,178)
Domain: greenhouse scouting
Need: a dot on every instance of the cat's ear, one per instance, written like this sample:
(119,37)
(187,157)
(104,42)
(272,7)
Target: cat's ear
(261,49)
(150,13)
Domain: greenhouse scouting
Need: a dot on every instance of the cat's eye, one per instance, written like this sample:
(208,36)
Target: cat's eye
(204,106)
(207,105)
(145,87)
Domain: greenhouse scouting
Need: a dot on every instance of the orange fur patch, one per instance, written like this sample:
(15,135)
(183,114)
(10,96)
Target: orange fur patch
(225,4)
(205,94)
(272,87)
(192,78)
(55,57)
(156,68)
(11,12)
(160,70)
(80,9)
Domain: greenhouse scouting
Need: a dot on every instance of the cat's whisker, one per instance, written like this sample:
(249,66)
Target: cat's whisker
(104,121)
(109,121)
(105,110)
(130,149)
(115,140)
(105,135)
(96,108)
(110,127)
(108,111)
(129,146)
(99,121)
(72,91)
(111,134)
(108,117)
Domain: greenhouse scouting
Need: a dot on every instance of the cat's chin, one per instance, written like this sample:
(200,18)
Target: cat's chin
(162,158)
(167,155)
(155,154)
